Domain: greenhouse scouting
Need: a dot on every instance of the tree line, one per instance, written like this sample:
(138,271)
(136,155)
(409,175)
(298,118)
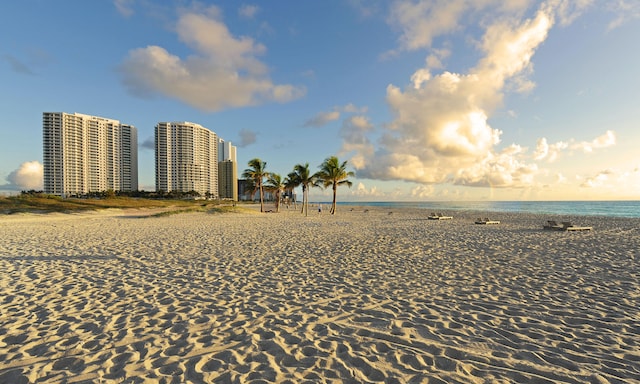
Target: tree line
(332,174)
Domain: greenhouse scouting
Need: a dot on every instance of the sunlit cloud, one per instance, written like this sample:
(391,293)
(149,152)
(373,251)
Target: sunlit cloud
(27,177)
(422,191)
(604,141)
(362,191)
(224,71)
(420,22)
(549,152)
(441,131)
(597,180)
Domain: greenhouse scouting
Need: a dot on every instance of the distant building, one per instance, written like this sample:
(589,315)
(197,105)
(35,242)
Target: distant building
(186,158)
(245,190)
(227,171)
(83,154)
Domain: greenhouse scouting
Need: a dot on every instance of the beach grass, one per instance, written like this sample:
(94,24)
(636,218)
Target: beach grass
(50,204)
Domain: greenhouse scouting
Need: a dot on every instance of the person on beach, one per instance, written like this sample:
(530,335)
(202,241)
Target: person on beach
(319,208)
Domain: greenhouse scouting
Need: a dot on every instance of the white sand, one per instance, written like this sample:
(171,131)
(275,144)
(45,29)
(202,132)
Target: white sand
(356,297)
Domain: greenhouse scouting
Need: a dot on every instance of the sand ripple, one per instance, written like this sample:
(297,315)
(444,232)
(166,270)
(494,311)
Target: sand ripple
(358,297)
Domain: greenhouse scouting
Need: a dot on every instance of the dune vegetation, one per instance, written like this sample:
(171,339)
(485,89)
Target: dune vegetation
(44,203)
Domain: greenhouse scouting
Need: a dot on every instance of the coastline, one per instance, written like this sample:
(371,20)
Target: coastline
(378,296)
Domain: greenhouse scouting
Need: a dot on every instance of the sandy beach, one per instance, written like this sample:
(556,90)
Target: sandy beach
(363,296)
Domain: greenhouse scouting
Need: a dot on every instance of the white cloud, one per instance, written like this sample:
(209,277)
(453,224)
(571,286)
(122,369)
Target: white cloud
(547,151)
(248,11)
(422,191)
(598,180)
(322,118)
(124,7)
(441,131)
(28,176)
(223,73)
(551,152)
(568,10)
(361,191)
(354,135)
(624,10)
(422,21)
(604,141)
(505,169)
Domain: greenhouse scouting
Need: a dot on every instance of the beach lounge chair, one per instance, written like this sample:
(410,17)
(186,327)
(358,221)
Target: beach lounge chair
(552,224)
(567,226)
(486,221)
(439,216)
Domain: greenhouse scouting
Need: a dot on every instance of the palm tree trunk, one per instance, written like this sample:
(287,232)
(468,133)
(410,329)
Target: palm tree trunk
(305,198)
(333,204)
(261,199)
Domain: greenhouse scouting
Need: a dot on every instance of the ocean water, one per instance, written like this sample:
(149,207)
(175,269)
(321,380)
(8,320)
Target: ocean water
(569,208)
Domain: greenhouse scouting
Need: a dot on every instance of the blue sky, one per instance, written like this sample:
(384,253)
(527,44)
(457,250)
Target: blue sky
(426,100)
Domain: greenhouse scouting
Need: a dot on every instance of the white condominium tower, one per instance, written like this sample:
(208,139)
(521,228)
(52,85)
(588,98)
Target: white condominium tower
(186,158)
(85,154)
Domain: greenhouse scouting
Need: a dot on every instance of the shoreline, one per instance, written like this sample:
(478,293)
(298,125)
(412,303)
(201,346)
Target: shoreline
(379,296)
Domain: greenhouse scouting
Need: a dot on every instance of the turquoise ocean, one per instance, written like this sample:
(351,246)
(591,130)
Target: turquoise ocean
(569,208)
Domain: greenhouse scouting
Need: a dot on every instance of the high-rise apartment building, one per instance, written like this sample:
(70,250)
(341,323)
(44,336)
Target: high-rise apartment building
(186,158)
(227,171)
(83,153)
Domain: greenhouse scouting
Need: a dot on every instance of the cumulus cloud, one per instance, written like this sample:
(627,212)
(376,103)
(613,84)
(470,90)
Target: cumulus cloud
(422,21)
(604,141)
(551,152)
(247,137)
(324,118)
(354,132)
(27,177)
(422,191)
(441,131)
(224,71)
(598,180)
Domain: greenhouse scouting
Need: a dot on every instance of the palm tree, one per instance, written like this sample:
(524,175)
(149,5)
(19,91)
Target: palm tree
(304,177)
(257,173)
(275,184)
(332,173)
(250,185)
(290,183)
